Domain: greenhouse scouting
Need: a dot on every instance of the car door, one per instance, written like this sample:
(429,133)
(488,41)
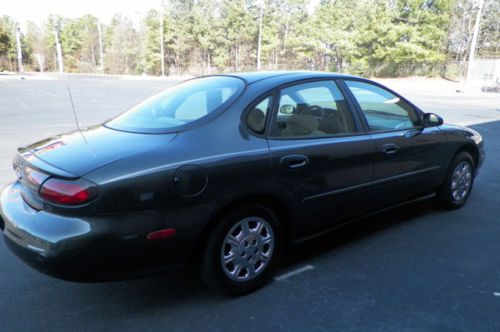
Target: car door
(319,154)
(408,159)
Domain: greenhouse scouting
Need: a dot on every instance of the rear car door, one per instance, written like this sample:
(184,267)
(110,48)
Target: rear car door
(319,154)
(408,159)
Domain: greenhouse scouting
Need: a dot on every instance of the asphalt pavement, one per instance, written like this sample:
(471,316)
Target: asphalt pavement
(416,268)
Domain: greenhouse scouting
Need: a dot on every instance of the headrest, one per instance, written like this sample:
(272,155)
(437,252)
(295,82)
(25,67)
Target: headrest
(256,120)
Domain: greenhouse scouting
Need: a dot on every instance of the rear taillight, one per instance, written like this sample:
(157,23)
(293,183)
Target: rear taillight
(68,192)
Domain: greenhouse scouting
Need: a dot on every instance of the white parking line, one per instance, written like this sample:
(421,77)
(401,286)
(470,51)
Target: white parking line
(294,272)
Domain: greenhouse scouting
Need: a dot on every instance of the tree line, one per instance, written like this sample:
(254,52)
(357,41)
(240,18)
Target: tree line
(367,37)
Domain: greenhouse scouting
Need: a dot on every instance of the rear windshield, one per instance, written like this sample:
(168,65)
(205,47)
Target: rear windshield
(179,105)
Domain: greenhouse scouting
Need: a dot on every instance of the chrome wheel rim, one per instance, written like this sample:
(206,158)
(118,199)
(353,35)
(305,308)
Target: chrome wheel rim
(461,181)
(247,249)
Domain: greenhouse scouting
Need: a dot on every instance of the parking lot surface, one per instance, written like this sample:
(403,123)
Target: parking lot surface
(414,268)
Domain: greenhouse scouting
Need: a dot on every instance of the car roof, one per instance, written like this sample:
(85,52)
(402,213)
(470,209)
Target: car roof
(252,77)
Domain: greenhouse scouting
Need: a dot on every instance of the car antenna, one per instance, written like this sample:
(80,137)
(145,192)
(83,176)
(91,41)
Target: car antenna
(74,113)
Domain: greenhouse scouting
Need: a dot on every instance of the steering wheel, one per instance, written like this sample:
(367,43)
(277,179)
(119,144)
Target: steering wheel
(316,112)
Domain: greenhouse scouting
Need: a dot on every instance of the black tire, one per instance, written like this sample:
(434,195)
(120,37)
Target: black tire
(447,194)
(219,276)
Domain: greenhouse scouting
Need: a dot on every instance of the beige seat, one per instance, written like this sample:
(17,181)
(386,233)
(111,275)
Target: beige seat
(302,125)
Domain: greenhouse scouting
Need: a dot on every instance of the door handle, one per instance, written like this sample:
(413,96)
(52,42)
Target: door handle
(390,148)
(294,161)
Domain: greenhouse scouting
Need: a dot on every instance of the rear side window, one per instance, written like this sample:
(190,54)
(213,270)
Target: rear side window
(383,110)
(313,109)
(179,105)
(256,119)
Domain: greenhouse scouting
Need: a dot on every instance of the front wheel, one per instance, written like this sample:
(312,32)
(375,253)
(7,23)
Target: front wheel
(458,182)
(242,250)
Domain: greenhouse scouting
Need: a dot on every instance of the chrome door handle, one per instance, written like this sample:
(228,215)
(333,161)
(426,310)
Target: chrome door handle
(390,148)
(294,161)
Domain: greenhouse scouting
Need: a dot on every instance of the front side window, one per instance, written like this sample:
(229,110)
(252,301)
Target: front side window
(313,109)
(179,105)
(383,110)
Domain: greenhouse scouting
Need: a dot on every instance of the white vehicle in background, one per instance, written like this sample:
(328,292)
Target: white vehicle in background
(491,83)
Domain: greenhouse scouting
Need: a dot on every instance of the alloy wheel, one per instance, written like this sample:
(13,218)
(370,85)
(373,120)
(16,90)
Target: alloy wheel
(461,181)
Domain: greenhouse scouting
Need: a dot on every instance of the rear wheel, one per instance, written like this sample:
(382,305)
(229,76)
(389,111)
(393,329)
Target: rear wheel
(458,182)
(242,250)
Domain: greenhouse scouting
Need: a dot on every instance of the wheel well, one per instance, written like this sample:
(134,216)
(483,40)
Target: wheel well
(472,150)
(279,207)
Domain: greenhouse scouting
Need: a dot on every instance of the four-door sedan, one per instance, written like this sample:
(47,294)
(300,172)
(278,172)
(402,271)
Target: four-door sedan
(224,170)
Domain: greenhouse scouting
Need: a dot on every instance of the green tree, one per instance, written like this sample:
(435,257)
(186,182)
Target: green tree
(205,30)
(8,51)
(123,47)
(151,61)
(369,37)
(6,39)
(238,36)
(36,37)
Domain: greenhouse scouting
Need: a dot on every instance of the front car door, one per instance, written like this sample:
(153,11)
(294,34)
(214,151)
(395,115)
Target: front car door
(408,162)
(320,155)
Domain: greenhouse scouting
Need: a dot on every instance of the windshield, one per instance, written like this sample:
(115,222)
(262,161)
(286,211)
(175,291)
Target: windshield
(179,105)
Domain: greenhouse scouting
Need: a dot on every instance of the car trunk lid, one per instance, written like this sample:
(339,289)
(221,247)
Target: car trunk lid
(76,153)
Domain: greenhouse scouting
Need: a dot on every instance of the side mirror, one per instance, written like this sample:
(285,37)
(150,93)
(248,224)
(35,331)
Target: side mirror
(287,109)
(432,120)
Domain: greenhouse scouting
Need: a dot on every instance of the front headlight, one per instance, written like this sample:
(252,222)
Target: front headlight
(473,135)
(477,138)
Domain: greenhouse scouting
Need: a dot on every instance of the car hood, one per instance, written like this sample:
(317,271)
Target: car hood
(466,132)
(80,152)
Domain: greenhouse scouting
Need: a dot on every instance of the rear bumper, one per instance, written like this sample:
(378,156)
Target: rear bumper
(97,248)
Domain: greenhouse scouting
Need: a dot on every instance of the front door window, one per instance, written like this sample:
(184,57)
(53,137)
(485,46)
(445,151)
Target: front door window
(383,110)
(314,109)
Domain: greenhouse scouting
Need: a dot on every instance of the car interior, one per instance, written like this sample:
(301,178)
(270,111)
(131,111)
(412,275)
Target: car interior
(314,120)
(327,116)
(296,117)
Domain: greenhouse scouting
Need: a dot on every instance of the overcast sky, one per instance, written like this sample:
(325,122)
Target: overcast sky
(39,10)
